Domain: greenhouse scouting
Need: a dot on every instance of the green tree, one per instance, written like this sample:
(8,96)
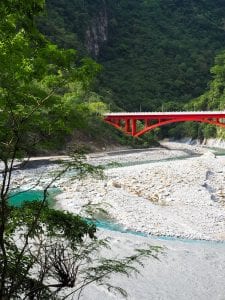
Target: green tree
(214,97)
(41,92)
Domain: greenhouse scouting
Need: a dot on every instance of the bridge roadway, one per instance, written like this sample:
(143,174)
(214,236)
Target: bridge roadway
(127,121)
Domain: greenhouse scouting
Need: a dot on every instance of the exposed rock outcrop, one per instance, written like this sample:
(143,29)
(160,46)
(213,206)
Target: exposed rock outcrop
(97,32)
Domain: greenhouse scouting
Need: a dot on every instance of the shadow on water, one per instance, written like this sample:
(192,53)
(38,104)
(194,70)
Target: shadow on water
(143,162)
(188,154)
(17,198)
(216,151)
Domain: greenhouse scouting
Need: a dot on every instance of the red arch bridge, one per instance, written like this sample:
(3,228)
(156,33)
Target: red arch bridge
(127,121)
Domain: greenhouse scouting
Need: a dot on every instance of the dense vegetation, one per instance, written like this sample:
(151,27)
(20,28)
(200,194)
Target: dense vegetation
(214,98)
(158,53)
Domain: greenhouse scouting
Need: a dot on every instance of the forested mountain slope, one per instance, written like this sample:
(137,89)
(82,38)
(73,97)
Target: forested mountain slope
(156,54)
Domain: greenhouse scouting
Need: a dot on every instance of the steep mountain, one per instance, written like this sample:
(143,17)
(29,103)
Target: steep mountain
(156,54)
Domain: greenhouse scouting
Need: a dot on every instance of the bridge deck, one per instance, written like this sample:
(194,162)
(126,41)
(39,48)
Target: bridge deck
(214,114)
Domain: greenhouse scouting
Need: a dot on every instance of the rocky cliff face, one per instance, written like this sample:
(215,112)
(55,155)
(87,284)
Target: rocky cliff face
(97,32)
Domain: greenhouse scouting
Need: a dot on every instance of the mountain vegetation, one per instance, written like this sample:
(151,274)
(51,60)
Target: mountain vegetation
(156,54)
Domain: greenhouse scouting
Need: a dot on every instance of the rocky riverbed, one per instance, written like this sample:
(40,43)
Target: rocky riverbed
(182,198)
(163,191)
(161,195)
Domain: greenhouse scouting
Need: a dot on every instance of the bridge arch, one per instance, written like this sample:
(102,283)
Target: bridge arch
(163,123)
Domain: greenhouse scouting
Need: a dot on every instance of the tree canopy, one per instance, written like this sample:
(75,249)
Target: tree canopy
(42,87)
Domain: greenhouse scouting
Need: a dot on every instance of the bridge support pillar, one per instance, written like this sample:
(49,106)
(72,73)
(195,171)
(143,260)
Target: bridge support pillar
(117,122)
(147,123)
(127,125)
(134,126)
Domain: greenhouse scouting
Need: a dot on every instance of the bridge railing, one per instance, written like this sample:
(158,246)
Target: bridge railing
(165,113)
